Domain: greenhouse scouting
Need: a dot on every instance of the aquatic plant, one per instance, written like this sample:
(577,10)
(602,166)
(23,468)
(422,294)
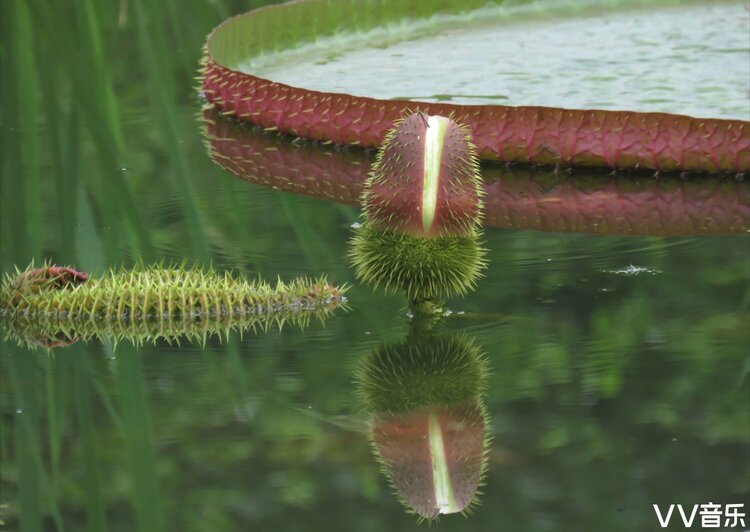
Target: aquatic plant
(584,201)
(425,268)
(534,135)
(422,205)
(428,424)
(53,306)
(425,180)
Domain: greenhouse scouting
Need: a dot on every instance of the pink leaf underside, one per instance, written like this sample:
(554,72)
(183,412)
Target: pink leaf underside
(533,135)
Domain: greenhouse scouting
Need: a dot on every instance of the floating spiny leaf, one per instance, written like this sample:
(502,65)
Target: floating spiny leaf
(51,306)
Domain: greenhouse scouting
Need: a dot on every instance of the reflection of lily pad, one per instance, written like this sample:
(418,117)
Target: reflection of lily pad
(586,201)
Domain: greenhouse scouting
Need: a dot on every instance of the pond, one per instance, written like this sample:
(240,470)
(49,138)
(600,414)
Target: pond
(605,350)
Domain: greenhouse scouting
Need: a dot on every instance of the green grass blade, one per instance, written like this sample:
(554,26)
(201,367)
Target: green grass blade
(134,409)
(84,415)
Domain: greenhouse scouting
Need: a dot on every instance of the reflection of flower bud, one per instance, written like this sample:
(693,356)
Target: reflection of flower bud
(428,425)
(433,456)
(425,181)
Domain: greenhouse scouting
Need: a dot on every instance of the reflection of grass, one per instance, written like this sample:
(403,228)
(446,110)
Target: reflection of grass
(139,441)
(37,489)
(84,415)
(155,55)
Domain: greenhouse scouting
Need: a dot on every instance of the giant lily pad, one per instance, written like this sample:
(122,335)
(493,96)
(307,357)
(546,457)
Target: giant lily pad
(339,71)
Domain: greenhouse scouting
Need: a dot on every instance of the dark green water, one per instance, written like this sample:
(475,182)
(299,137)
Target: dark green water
(619,372)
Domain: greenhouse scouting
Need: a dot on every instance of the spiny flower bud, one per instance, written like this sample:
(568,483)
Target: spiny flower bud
(425,181)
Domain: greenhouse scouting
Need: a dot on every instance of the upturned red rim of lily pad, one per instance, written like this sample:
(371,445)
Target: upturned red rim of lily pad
(528,134)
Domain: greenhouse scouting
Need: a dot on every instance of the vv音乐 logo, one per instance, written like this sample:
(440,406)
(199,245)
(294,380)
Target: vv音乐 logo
(709,515)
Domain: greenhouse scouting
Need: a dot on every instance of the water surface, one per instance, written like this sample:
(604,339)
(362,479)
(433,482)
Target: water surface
(692,59)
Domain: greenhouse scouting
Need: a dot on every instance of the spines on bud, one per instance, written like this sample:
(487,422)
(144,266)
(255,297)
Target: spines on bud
(425,268)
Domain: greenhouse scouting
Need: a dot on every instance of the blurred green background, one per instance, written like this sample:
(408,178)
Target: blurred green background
(609,391)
